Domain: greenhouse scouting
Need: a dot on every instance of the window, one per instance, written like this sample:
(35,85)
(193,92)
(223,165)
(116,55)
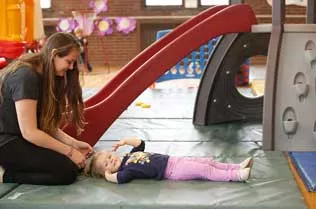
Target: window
(191,3)
(46,4)
(214,2)
(163,2)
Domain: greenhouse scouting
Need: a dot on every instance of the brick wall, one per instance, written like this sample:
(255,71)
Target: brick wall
(117,49)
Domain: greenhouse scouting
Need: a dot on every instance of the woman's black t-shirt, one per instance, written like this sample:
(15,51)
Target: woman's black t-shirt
(24,83)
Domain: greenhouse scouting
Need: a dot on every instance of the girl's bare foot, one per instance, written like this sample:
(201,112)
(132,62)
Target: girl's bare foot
(1,174)
(244,174)
(246,163)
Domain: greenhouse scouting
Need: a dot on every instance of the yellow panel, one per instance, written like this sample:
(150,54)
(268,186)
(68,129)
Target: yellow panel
(14,24)
(3,18)
(13,20)
(29,20)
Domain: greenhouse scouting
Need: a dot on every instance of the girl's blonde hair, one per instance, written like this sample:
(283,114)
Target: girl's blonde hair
(61,99)
(90,168)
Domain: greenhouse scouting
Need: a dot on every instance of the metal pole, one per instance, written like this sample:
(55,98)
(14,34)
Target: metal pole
(310,11)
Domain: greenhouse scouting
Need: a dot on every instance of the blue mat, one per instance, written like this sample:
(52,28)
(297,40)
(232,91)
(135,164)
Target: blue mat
(305,163)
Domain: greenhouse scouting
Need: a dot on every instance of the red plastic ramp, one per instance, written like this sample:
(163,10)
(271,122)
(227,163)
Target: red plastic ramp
(236,18)
(146,54)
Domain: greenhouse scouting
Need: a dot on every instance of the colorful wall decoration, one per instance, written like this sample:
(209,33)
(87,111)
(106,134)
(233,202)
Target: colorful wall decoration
(104,26)
(99,6)
(90,21)
(125,24)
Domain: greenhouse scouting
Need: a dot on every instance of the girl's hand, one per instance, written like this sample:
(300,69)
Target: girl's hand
(111,177)
(118,144)
(133,141)
(83,147)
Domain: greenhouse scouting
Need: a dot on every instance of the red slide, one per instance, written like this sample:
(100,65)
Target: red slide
(146,54)
(235,18)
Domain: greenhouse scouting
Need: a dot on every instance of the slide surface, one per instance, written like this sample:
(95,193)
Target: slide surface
(146,54)
(235,18)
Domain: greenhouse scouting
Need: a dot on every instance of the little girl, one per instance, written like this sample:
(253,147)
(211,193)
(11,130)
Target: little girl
(144,165)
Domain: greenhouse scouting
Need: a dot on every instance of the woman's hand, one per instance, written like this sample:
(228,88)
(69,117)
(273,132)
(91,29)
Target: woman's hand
(77,157)
(118,144)
(83,147)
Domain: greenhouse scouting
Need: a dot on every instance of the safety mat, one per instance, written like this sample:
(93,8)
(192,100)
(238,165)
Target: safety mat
(305,164)
(167,128)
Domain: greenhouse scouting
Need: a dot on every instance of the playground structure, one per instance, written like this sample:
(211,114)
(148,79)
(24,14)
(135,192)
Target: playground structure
(288,83)
(289,119)
(218,99)
(20,27)
(124,88)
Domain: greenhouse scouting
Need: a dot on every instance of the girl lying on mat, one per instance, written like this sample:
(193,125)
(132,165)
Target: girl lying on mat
(144,165)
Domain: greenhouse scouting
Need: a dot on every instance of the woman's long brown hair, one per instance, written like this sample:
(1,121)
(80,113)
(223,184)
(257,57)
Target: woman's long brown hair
(61,96)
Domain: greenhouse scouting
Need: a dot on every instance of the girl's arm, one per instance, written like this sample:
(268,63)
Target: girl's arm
(26,114)
(134,142)
(111,177)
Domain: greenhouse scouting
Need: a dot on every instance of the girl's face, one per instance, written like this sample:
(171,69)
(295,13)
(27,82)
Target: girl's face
(63,64)
(107,161)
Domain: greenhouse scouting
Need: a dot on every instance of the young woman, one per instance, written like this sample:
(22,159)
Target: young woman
(38,92)
(144,165)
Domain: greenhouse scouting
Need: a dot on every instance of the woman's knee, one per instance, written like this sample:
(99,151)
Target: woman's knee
(67,173)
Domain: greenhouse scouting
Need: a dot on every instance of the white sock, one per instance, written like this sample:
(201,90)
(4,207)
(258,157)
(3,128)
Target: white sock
(1,174)
(244,174)
(246,163)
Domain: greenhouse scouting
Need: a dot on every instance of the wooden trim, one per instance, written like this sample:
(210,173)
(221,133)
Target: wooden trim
(141,19)
(287,16)
(54,20)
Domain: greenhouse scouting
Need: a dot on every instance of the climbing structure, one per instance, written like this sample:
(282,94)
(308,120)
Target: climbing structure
(289,107)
